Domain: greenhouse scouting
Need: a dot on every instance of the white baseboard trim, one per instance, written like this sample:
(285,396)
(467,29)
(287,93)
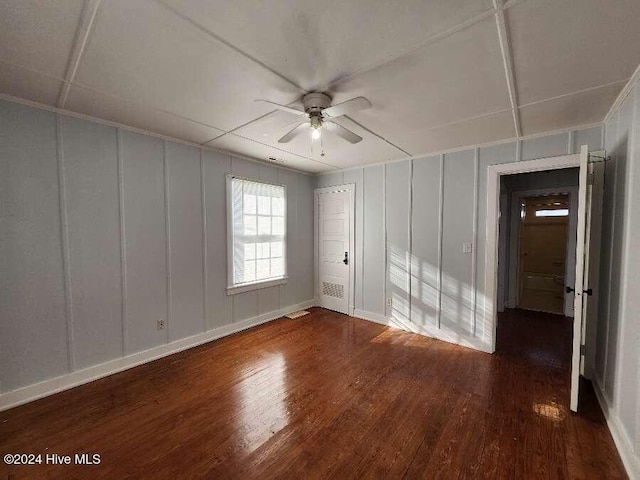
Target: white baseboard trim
(630,460)
(439,334)
(64,382)
(371,316)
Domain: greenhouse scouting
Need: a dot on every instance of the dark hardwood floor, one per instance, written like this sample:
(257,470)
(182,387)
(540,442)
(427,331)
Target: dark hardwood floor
(328,396)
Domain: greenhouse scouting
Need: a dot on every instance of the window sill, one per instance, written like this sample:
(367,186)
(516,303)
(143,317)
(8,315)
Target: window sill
(256,286)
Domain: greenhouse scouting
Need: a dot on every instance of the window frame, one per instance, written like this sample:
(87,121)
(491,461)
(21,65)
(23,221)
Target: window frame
(233,289)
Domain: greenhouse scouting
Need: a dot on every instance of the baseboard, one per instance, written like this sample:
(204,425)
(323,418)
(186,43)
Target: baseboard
(439,334)
(371,316)
(64,382)
(630,461)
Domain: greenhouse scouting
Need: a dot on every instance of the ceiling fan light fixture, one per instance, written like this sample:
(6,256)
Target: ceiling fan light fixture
(322,115)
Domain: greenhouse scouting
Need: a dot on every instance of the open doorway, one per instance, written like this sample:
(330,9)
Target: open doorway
(542,252)
(584,285)
(537,240)
(536,260)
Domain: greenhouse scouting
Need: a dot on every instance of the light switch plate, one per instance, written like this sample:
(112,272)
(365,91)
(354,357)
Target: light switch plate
(467,247)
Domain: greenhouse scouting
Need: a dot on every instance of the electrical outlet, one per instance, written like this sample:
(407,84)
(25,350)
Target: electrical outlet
(161,324)
(389,302)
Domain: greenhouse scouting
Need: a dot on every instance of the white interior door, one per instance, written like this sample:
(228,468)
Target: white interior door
(587,261)
(335,247)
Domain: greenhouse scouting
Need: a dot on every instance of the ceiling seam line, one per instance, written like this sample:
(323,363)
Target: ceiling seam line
(228,44)
(511,3)
(379,136)
(577,92)
(64,87)
(84,30)
(214,138)
(626,90)
(418,46)
(507,60)
(32,70)
(234,129)
(469,119)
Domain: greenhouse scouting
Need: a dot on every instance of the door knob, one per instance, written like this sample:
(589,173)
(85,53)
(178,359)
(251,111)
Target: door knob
(346,258)
(569,290)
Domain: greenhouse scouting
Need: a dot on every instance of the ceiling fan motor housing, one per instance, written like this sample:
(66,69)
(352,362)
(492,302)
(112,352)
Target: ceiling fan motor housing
(315,102)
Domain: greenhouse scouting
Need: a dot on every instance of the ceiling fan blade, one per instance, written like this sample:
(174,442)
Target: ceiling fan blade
(295,111)
(297,130)
(342,132)
(345,108)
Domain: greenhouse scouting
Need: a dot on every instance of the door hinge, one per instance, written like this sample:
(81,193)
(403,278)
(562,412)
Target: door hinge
(591,178)
(582,349)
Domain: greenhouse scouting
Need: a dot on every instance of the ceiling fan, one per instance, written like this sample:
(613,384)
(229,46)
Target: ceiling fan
(317,106)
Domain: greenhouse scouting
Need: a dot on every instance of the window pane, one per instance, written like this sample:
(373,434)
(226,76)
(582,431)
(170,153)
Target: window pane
(249,271)
(262,270)
(264,205)
(263,250)
(278,206)
(560,212)
(277,267)
(276,249)
(264,225)
(249,251)
(278,226)
(250,225)
(250,204)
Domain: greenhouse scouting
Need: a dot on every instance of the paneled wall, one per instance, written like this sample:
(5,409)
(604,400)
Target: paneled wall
(103,232)
(617,376)
(411,225)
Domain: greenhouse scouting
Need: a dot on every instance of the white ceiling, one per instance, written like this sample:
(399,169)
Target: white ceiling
(440,74)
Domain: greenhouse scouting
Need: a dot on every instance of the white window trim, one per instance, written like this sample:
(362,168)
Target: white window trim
(259,284)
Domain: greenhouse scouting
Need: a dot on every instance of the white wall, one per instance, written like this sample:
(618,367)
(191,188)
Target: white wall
(104,231)
(415,216)
(617,360)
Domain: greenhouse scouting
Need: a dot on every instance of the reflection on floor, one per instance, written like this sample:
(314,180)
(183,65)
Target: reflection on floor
(328,396)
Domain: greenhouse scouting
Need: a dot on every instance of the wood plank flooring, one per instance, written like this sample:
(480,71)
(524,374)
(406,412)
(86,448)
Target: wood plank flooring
(328,396)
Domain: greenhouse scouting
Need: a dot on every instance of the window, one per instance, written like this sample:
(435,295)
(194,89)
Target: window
(559,212)
(256,234)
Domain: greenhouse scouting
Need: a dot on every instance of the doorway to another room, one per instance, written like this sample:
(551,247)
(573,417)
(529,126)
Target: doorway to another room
(524,262)
(536,249)
(542,252)
(537,240)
